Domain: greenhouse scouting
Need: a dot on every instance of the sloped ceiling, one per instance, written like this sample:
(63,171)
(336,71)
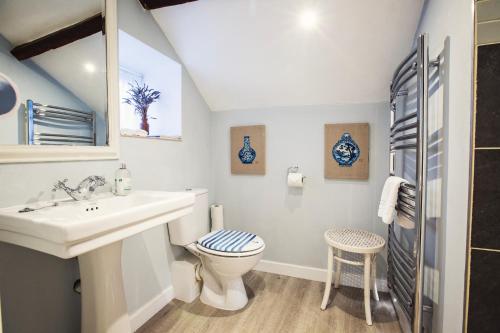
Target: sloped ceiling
(246,54)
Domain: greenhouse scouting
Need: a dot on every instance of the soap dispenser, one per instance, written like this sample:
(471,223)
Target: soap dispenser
(123,181)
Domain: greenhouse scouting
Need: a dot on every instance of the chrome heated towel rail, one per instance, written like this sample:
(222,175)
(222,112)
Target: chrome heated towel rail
(409,132)
(56,125)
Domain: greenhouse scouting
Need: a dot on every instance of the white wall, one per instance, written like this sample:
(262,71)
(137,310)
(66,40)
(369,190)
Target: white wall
(292,221)
(452,19)
(36,288)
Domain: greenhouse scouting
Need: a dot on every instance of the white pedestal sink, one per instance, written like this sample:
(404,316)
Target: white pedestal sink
(93,230)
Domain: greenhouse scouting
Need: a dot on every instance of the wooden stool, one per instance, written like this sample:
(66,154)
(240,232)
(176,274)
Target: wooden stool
(355,241)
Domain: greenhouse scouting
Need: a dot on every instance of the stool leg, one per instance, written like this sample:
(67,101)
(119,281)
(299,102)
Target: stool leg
(367,278)
(374,278)
(338,269)
(328,284)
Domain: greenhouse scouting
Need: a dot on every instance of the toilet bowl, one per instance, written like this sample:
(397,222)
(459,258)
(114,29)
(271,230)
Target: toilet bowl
(222,272)
(225,255)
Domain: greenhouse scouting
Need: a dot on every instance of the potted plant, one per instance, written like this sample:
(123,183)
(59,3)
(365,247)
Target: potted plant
(141,97)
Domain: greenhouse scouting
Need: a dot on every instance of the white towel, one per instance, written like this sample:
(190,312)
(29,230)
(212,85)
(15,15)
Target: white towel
(389,198)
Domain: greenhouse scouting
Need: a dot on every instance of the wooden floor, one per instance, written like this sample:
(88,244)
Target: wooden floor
(279,304)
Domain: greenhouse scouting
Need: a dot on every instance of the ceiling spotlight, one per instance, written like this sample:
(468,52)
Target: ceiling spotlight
(89,67)
(308,19)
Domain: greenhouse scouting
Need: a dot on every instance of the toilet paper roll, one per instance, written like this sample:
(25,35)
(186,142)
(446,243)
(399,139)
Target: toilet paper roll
(217,216)
(295,179)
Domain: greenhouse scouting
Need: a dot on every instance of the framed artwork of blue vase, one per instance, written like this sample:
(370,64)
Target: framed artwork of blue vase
(347,151)
(248,150)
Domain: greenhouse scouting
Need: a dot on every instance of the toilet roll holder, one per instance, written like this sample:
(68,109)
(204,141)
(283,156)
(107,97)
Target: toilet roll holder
(294,169)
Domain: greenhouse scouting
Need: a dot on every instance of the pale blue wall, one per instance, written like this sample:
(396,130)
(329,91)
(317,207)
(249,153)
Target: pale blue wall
(37,288)
(291,221)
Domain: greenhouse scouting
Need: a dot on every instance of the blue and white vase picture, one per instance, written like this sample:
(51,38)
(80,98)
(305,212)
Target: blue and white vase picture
(247,154)
(346,151)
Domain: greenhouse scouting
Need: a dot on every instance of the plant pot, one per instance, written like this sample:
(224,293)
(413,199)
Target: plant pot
(144,120)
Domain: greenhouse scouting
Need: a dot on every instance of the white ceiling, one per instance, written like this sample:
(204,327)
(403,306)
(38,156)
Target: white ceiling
(245,54)
(22,21)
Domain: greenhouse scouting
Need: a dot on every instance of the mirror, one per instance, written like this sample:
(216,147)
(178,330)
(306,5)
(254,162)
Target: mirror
(54,51)
(9,96)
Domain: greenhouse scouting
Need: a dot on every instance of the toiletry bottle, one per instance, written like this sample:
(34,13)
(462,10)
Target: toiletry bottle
(123,181)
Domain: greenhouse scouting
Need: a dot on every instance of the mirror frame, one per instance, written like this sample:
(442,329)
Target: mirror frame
(31,154)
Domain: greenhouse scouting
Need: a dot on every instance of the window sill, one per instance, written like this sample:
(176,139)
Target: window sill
(165,138)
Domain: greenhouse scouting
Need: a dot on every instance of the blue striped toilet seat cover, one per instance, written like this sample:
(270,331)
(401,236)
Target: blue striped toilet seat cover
(227,240)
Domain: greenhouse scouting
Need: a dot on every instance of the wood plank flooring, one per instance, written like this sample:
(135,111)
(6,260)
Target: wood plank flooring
(279,304)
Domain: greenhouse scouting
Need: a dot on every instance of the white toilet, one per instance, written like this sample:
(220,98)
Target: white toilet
(225,255)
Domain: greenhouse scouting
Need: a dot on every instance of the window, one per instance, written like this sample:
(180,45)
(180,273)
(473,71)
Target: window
(142,66)
(128,118)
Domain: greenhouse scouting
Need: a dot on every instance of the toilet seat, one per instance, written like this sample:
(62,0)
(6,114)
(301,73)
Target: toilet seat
(231,243)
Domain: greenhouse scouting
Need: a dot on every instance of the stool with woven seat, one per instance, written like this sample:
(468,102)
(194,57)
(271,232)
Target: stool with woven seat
(355,241)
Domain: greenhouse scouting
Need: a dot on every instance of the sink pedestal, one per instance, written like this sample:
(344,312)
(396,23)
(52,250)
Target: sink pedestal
(104,307)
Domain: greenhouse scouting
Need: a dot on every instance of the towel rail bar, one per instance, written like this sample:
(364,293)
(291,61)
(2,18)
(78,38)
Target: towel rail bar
(406,297)
(404,263)
(50,115)
(408,261)
(408,58)
(407,190)
(38,106)
(46,140)
(406,195)
(409,209)
(401,147)
(407,202)
(408,278)
(57,125)
(63,136)
(404,128)
(402,82)
(74,115)
(404,137)
(405,210)
(409,69)
(404,119)
(401,308)
(406,286)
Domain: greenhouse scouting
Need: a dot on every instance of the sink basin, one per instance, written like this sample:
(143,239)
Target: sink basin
(76,227)
(93,230)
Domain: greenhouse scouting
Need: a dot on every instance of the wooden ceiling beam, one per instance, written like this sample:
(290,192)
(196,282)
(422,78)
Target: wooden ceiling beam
(155,4)
(59,38)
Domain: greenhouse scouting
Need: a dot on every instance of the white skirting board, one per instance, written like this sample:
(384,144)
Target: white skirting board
(314,274)
(148,310)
